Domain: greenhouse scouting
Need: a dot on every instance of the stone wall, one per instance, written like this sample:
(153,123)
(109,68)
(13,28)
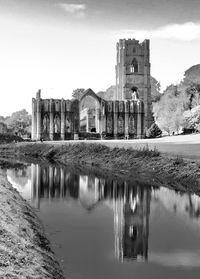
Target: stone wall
(55,119)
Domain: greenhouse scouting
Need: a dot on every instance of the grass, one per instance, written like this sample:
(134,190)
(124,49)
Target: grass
(178,160)
(92,150)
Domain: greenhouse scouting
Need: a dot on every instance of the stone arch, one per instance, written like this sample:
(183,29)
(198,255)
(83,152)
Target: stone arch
(57,124)
(132,124)
(97,113)
(89,92)
(68,124)
(46,124)
(120,125)
(109,126)
(134,66)
(134,93)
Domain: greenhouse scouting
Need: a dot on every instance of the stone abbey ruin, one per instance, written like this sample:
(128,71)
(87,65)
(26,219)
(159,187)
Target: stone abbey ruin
(127,116)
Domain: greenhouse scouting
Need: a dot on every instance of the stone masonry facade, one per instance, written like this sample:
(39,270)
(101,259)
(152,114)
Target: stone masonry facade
(133,74)
(128,116)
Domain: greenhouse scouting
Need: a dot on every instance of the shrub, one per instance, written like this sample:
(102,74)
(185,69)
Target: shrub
(7,138)
(154,131)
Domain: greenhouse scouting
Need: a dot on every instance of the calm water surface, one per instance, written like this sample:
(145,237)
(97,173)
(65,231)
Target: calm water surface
(104,228)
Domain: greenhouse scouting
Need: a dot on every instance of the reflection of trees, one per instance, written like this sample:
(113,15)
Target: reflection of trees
(130,203)
(193,209)
(19,176)
(179,202)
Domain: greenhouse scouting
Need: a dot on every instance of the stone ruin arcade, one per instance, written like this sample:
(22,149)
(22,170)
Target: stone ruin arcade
(127,116)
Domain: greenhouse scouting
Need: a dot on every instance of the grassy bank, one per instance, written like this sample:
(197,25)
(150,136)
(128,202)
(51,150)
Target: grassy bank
(144,164)
(24,249)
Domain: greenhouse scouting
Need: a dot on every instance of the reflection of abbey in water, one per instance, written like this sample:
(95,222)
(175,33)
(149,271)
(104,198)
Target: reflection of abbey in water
(131,204)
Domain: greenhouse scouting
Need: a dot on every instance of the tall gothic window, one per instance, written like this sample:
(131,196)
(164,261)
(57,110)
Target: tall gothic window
(68,128)
(134,66)
(45,124)
(57,124)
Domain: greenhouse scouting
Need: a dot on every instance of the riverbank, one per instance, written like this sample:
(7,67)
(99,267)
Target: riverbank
(24,250)
(143,164)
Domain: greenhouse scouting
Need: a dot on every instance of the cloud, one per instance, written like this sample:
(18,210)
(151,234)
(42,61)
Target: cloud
(76,9)
(188,31)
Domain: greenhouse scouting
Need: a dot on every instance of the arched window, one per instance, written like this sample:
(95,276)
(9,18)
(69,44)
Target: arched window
(121,125)
(45,124)
(57,124)
(68,125)
(134,66)
(109,125)
(131,125)
(134,95)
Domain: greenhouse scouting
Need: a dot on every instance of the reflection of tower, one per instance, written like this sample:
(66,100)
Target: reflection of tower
(131,223)
(89,194)
(118,227)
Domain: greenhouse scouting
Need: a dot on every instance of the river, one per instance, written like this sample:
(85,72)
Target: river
(101,227)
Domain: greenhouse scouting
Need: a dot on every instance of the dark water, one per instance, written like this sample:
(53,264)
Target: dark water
(103,228)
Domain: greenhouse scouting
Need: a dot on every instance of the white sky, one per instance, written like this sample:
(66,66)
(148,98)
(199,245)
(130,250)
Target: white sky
(62,45)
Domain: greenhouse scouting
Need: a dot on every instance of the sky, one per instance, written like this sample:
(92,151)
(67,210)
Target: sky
(60,45)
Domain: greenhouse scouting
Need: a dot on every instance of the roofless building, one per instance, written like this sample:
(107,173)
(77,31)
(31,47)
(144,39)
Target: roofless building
(127,116)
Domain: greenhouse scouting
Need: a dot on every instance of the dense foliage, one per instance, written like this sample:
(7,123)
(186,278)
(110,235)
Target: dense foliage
(7,138)
(78,93)
(154,131)
(177,108)
(19,123)
(191,119)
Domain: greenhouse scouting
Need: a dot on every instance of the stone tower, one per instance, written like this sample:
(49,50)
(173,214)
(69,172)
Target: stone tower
(133,75)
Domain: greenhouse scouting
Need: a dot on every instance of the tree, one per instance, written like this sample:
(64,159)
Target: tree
(109,94)
(19,121)
(191,75)
(154,131)
(172,110)
(193,95)
(168,110)
(155,90)
(78,93)
(101,94)
(3,128)
(190,87)
(191,119)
